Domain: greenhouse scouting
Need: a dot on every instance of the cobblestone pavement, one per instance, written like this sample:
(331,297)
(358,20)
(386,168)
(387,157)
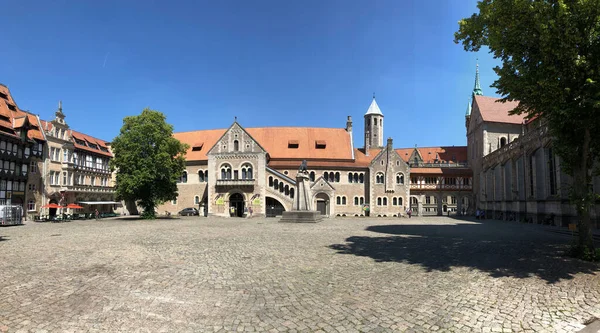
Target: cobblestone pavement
(342,275)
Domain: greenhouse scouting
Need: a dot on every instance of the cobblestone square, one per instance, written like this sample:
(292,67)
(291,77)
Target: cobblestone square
(256,275)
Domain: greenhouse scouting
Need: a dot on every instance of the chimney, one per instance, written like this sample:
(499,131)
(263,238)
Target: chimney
(390,145)
(349,124)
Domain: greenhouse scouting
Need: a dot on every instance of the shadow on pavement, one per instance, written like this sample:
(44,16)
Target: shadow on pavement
(497,249)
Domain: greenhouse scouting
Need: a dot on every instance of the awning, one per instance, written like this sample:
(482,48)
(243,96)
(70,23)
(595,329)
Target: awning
(100,202)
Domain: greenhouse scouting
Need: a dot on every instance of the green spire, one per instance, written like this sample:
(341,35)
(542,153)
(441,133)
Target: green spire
(477,89)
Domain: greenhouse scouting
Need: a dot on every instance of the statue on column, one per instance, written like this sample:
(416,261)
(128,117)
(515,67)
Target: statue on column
(302,209)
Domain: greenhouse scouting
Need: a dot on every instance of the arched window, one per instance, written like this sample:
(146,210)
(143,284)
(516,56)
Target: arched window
(349,177)
(236,145)
(183,177)
(326,176)
(379,178)
(196,200)
(174,202)
(247,171)
(270,181)
(206,176)
(337,177)
(276,184)
(400,202)
(338,200)
(355,201)
(292,193)
(385,201)
(356,177)
(287,190)
(312,176)
(394,201)
(226,171)
(201,176)
(281,187)
(378,201)
(502,142)
(361,178)
(399,178)
(343,200)
(362,200)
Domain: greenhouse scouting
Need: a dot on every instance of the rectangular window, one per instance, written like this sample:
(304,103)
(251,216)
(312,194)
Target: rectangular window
(93,181)
(33,167)
(65,178)
(56,178)
(31,205)
(65,155)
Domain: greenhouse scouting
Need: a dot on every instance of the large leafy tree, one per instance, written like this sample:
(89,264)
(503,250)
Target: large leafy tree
(550,56)
(148,160)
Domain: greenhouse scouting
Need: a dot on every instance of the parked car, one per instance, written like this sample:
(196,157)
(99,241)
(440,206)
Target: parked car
(188,211)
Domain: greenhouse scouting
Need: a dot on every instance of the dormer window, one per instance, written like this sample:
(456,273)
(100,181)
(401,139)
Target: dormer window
(293,144)
(11,107)
(3,95)
(236,145)
(320,144)
(198,146)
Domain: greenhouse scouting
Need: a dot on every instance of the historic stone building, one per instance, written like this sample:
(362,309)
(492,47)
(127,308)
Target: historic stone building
(231,170)
(516,175)
(75,170)
(21,146)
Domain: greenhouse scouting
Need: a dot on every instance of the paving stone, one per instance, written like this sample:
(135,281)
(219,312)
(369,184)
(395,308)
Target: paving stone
(342,275)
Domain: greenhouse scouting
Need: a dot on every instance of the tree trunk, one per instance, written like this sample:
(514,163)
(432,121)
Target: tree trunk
(582,196)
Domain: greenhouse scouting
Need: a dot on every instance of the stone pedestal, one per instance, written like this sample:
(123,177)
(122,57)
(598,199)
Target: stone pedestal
(301,216)
(302,209)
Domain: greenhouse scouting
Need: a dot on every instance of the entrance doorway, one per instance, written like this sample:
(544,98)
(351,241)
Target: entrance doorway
(52,211)
(445,208)
(323,203)
(236,201)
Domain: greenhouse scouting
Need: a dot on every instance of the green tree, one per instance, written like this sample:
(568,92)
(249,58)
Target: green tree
(148,160)
(550,56)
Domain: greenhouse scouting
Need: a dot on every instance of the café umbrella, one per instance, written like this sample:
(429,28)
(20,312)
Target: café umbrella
(52,205)
(74,206)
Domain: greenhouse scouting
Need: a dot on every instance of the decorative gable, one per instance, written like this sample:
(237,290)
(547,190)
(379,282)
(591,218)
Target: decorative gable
(321,184)
(236,140)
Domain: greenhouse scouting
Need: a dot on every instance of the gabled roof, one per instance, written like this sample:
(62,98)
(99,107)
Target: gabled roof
(374,108)
(496,112)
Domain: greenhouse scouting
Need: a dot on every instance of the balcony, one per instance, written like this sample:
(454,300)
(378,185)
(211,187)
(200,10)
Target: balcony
(86,168)
(445,187)
(88,189)
(235,182)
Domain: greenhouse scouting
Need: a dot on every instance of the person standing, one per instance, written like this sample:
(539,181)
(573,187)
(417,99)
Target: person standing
(97,213)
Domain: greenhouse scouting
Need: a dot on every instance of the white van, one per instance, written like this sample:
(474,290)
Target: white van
(11,215)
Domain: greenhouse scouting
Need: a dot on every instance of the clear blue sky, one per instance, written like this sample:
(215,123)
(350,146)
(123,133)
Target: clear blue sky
(270,63)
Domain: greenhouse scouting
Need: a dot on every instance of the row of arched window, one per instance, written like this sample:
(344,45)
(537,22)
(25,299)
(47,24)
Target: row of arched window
(340,200)
(332,177)
(383,201)
(354,177)
(359,201)
(278,185)
(380,178)
(245,172)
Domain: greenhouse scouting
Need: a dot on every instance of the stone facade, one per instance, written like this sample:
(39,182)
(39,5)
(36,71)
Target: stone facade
(240,168)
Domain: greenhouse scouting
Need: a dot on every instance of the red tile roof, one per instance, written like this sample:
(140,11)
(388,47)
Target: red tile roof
(497,112)
(14,117)
(443,154)
(92,140)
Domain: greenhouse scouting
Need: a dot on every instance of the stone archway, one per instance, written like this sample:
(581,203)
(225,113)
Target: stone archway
(416,205)
(274,207)
(237,202)
(323,203)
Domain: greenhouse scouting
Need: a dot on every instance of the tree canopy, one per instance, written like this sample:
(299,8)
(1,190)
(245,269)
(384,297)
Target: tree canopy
(148,160)
(550,62)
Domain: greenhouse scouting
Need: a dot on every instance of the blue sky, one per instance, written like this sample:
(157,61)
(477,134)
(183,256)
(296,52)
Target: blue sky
(270,63)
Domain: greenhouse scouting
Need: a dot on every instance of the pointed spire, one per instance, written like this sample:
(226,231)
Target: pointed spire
(477,89)
(60,105)
(374,108)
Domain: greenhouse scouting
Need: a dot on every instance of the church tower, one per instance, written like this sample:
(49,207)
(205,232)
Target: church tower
(373,127)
